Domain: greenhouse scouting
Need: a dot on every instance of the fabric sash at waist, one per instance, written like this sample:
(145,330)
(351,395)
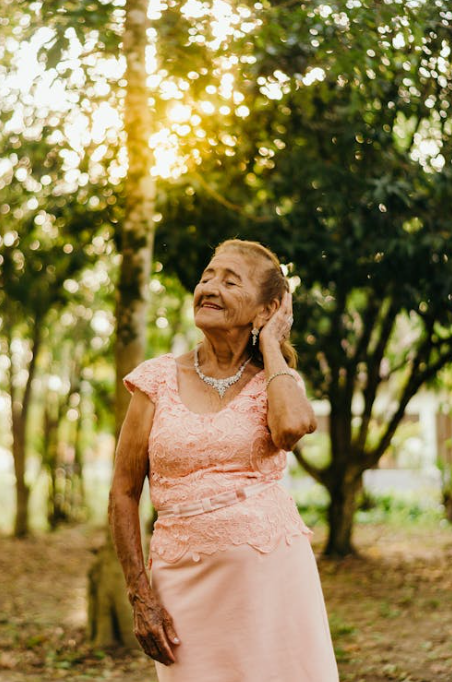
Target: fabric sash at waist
(208,504)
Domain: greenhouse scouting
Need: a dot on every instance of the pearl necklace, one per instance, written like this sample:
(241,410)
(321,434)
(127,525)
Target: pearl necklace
(220,385)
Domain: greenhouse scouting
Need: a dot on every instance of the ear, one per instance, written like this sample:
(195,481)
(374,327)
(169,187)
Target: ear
(266,312)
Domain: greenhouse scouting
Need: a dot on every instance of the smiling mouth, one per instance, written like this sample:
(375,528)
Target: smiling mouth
(211,305)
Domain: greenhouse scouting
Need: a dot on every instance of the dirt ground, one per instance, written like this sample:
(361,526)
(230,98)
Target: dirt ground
(390,609)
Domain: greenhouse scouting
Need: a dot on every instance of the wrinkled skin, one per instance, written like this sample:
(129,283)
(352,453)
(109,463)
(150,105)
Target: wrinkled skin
(153,626)
(226,308)
(154,629)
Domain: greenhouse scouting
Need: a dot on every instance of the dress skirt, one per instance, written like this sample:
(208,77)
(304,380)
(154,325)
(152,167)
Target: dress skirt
(247,616)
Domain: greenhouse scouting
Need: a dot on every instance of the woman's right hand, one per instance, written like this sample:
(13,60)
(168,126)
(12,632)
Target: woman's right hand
(154,629)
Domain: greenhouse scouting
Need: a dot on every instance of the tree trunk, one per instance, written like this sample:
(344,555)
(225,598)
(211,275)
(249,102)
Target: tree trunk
(137,233)
(49,457)
(21,528)
(77,492)
(340,515)
(447,501)
(19,418)
(110,615)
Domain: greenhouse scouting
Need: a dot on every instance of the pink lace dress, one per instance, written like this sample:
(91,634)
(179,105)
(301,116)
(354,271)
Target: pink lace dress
(240,581)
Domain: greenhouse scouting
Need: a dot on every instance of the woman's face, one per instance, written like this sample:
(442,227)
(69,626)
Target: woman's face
(227,294)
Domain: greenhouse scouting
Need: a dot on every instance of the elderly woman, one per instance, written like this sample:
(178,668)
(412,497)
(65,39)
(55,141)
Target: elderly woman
(234,592)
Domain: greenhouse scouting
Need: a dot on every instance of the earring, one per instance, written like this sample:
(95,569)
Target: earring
(255,335)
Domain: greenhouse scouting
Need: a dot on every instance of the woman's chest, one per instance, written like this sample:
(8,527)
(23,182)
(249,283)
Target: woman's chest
(182,442)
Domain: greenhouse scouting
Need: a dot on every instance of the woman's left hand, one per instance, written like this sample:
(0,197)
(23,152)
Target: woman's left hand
(278,327)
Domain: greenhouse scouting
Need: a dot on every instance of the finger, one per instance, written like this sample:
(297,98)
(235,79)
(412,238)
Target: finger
(284,307)
(287,306)
(148,646)
(164,648)
(162,658)
(169,630)
(156,651)
(165,656)
(280,312)
(289,303)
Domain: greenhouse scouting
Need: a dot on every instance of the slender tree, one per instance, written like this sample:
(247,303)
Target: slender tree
(136,233)
(35,268)
(110,615)
(20,410)
(50,218)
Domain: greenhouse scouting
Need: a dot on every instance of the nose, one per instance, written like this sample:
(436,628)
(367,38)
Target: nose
(210,288)
(209,292)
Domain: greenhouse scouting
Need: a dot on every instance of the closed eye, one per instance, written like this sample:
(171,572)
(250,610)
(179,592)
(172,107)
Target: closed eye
(204,281)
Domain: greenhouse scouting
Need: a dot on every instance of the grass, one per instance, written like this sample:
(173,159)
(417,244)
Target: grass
(398,508)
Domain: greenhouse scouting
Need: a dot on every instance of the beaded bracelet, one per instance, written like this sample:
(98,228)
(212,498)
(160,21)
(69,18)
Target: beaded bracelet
(278,374)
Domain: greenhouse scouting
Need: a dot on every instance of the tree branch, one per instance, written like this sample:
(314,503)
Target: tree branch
(369,318)
(318,475)
(331,341)
(434,368)
(368,321)
(36,344)
(9,340)
(228,204)
(340,400)
(373,371)
(415,380)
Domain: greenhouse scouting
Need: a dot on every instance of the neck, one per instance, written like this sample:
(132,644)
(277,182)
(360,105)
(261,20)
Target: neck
(223,354)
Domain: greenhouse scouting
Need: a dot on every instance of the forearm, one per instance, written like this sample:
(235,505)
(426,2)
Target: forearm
(290,413)
(124,522)
(273,359)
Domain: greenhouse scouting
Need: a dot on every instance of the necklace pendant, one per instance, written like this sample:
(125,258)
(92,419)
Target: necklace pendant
(220,385)
(221,390)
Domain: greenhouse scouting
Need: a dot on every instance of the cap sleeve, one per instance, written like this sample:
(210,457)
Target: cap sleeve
(146,376)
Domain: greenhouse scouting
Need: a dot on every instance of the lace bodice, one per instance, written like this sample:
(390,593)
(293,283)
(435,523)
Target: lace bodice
(193,456)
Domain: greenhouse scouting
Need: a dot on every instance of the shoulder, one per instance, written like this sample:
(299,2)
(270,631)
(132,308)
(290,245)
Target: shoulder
(149,375)
(152,365)
(159,362)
